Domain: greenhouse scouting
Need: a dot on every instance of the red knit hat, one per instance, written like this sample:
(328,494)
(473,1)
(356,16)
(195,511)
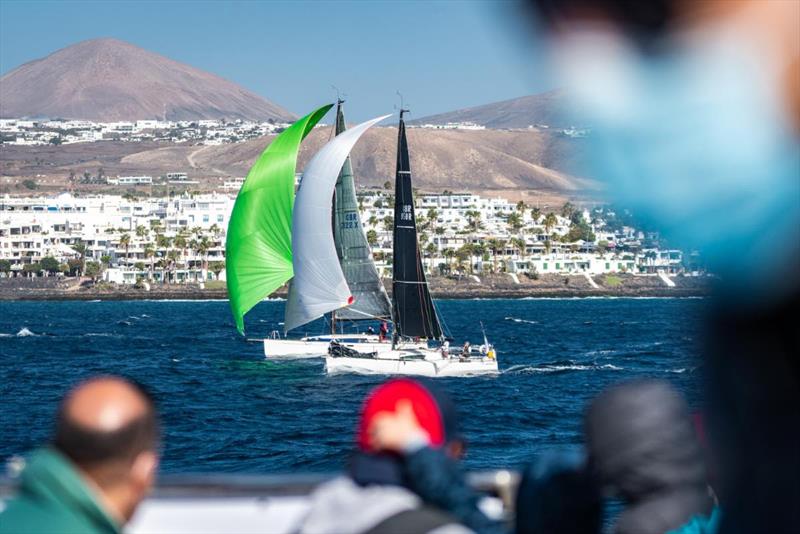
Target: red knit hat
(385,397)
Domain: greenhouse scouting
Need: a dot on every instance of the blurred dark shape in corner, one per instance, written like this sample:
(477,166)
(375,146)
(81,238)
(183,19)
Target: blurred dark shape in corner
(643,447)
(558,494)
(694,110)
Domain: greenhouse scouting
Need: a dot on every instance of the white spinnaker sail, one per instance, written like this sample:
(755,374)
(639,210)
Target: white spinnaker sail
(319,286)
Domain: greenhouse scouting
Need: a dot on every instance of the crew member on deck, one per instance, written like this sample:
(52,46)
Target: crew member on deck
(383,331)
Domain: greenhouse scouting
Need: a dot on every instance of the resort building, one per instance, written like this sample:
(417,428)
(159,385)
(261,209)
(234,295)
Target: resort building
(182,238)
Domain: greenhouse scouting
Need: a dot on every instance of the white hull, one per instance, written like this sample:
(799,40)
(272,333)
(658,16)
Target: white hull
(317,346)
(411,362)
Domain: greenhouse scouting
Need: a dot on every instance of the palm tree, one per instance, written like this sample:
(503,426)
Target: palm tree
(465,254)
(372,238)
(520,245)
(373,221)
(495,246)
(150,253)
(515,221)
(162,265)
(388,223)
(172,257)
(163,242)
(449,254)
(181,243)
(217,267)
(202,246)
(125,241)
(142,232)
(473,219)
(433,216)
(215,230)
(550,220)
(80,248)
(431,250)
(480,251)
(535,214)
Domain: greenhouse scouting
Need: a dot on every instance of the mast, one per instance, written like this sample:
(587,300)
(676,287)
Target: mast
(338,127)
(412,307)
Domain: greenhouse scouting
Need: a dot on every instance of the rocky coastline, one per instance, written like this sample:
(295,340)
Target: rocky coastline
(498,286)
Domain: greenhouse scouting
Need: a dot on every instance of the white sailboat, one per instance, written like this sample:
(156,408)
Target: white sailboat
(319,285)
(415,319)
(369,300)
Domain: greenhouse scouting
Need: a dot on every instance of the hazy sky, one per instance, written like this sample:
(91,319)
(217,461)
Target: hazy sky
(441,55)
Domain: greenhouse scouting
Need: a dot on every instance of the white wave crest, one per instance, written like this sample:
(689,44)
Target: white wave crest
(25,332)
(518,320)
(557,368)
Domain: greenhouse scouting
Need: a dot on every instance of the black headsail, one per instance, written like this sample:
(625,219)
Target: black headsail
(355,257)
(413,311)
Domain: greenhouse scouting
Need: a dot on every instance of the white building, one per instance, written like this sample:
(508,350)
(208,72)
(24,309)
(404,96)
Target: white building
(130,180)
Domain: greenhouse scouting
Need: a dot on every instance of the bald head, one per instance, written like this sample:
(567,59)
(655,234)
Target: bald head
(104,421)
(105,404)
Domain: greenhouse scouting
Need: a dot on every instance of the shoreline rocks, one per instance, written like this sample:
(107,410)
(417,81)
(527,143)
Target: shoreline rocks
(497,286)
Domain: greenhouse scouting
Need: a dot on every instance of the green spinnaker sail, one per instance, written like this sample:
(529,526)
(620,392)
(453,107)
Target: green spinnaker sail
(258,248)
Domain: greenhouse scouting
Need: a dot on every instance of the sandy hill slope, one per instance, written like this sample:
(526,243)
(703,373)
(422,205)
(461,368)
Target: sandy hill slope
(440,159)
(530,165)
(110,80)
(548,108)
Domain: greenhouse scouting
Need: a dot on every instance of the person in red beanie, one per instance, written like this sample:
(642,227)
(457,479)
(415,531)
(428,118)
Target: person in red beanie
(403,475)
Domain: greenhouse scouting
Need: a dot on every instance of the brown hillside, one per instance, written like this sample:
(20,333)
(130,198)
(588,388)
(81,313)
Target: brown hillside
(110,80)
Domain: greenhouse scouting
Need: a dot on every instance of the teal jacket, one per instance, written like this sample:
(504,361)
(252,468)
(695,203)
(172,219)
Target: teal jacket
(53,498)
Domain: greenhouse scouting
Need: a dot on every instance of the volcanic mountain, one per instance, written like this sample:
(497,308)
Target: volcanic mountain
(110,80)
(548,108)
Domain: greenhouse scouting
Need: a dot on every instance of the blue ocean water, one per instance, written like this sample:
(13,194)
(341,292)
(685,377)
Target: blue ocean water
(227,409)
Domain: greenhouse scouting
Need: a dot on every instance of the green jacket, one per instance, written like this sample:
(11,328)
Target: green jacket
(53,498)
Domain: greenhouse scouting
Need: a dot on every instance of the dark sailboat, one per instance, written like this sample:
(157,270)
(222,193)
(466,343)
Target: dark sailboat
(413,311)
(370,298)
(415,319)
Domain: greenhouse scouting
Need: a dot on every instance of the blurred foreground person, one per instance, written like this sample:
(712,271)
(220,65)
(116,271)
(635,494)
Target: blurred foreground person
(695,115)
(403,477)
(558,495)
(642,447)
(100,466)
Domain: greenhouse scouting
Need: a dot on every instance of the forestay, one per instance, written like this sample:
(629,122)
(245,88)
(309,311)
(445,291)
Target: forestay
(319,285)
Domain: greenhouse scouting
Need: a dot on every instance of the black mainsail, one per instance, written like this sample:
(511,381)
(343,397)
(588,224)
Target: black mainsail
(355,256)
(413,311)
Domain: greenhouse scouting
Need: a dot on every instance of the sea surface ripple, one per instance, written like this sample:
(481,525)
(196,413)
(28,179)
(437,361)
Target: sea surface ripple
(228,409)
